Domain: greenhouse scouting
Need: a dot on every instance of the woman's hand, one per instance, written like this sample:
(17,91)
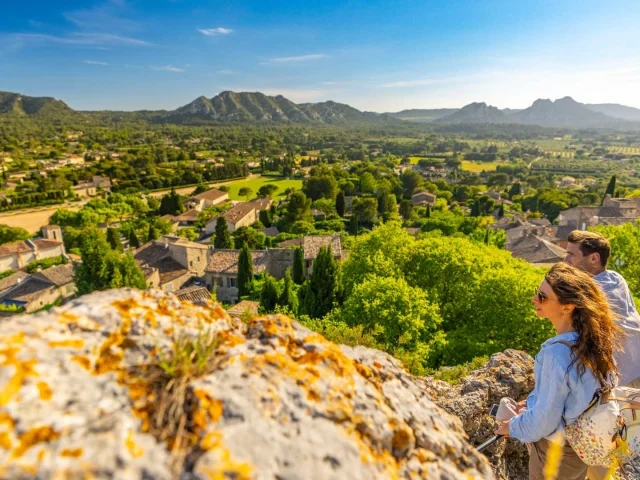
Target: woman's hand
(503,429)
(521,405)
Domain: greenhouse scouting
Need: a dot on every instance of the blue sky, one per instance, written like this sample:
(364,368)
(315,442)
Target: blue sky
(378,55)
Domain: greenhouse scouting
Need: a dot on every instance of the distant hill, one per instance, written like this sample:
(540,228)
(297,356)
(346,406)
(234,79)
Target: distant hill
(617,111)
(21,105)
(475,113)
(565,112)
(258,107)
(423,115)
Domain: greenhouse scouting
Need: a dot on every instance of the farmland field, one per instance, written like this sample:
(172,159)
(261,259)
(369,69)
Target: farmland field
(562,154)
(468,166)
(625,150)
(255,183)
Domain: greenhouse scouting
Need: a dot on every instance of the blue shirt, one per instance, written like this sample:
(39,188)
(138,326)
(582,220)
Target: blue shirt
(621,302)
(559,392)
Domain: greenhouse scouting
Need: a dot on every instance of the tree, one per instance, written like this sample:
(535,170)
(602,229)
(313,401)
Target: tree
(427,213)
(410,180)
(133,238)
(341,204)
(267,190)
(611,188)
(171,204)
(245,192)
(222,238)
(113,237)
(322,289)
(367,183)
(287,297)
(515,190)
(298,207)
(365,209)
(353,225)
(486,237)
(406,209)
(152,233)
(298,266)
(245,272)
(253,238)
(396,314)
(269,294)
(324,186)
(501,211)
(12,234)
(265,218)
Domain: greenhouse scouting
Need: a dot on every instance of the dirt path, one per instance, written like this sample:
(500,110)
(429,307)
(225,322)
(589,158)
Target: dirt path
(33,219)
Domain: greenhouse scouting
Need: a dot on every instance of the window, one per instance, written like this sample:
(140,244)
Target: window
(219,282)
(198,259)
(191,263)
(232,282)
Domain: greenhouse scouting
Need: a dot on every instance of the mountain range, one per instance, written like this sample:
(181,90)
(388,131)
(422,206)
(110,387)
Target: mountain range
(256,107)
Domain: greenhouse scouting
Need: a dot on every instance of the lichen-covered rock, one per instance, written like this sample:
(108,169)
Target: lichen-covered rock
(279,402)
(507,374)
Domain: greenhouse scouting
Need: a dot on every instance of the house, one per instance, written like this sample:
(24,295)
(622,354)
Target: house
(12,280)
(423,199)
(536,249)
(261,203)
(170,262)
(187,218)
(40,289)
(242,214)
(194,294)
(207,199)
(93,187)
(245,307)
(311,245)
(317,214)
(14,256)
(174,221)
(222,272)
(614,211)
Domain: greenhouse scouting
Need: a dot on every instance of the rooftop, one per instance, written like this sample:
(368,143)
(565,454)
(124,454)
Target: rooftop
(13,248)
(213,194)
(59,275)
(12,280)
(238,212)
(226,261)
(194,294)
(27,291)
(243,307)
(312,244)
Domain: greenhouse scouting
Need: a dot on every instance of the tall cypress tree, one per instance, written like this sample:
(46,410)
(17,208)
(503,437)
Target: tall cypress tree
(245,271)
(223,237)
(475,209)
(269,294)
(353,225)
(152,233)
(501,211)
(133,239)
(486,237)
(428,213)
(298,266)
(611,188)
(341,204)
(113,237)
(265,217)
(323,288)
(287,297)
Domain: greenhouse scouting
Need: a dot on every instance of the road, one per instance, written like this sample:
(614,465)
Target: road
(32,219)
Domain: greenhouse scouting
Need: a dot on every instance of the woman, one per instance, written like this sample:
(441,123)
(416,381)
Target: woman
(566,377)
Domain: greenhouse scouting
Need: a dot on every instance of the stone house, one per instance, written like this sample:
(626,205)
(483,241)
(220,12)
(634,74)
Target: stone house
(243,214)
(91,188)
(222,272)
(614,211)
(261,203)
(14,256)
(423,199)
(170,262)
(311,245)
(537,250)
(207,199)
(42,288)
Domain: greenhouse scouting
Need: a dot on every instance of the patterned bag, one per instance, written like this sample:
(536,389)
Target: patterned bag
(607,433)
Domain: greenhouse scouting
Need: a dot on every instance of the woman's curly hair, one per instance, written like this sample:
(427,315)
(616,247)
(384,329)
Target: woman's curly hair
(593,320)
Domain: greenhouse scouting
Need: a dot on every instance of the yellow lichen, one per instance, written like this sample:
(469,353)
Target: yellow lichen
(23,369)
(73,343)
(45,391)
(209,410)
(5,441)
(17,339)
(32,437)
(135,450)
(83,361)
(71,452)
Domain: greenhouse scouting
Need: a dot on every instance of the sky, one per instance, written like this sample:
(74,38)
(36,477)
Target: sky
(375,55)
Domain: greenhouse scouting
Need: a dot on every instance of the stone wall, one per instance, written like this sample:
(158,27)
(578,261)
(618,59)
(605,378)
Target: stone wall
(278,260)
(82,386)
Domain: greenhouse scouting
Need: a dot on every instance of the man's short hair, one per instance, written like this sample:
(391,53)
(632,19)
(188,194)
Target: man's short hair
(591,242)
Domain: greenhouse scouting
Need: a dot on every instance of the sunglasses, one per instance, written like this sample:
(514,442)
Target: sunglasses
(541,296)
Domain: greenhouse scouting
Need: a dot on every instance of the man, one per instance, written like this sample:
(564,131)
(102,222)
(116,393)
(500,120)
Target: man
(590,251)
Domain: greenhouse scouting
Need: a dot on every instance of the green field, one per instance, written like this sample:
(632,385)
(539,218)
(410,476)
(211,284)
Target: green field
(479,166)
(255,183)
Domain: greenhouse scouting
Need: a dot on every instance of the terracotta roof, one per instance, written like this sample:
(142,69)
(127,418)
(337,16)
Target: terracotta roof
(154,255)
(194,294)
(311,245)
(243,307)
(12,280)
(270,231)
(261,203)
(174,240)
(423,198)
(226,261)
(536,249)
(237,213)
(59,275)
(27,291)
(294,242)
(14,248)
(169,217)
(212,194)
(43,244)
(188,216)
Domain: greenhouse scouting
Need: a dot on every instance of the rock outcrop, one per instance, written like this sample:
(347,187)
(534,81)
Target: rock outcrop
(138,385)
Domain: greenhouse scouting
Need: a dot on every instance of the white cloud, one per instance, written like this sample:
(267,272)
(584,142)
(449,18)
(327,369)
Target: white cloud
(301,58)
(214,32)
(106,17)
(93,62)
(80,39)
(168,68)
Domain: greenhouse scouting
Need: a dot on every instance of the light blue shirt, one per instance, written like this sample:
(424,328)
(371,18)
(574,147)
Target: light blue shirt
(559,392)
(621,302)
